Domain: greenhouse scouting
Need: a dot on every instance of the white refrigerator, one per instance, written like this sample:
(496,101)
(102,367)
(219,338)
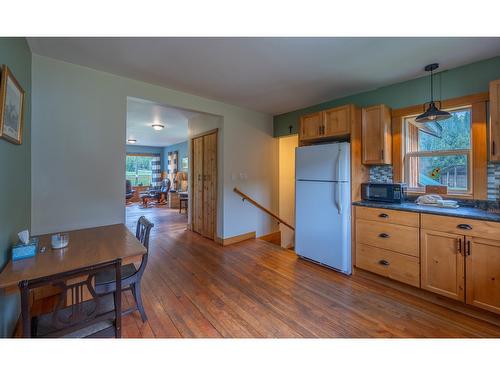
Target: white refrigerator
(323,205)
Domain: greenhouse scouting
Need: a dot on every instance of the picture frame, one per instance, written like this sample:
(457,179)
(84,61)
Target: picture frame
(11,108)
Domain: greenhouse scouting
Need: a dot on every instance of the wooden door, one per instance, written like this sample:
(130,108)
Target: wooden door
(197,193)
(376,135)
(337,121)
(483,273)
(311,126)
(209,184)
(442,265)
(495,120)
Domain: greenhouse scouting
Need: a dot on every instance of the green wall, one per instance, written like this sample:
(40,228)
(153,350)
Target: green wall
(15,175)
(464,80)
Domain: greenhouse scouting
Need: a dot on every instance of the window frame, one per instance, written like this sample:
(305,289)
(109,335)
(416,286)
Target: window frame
(408,154)
(151,155)
(479,176)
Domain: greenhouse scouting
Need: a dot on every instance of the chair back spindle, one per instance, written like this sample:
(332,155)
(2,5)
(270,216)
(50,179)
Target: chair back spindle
(142,232)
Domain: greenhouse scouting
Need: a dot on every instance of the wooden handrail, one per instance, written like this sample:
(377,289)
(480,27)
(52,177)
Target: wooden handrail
(256,204)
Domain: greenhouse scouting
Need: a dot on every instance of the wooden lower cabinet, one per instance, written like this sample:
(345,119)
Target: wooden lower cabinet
(399,238)
(396,266)
(460,261)
(442,263)
(483,273)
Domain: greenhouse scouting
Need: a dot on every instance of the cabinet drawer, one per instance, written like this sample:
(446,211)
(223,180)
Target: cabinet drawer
(456,225)
(399,238)
(387,263)
(410,219)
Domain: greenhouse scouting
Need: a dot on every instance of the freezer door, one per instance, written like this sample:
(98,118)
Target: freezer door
(322,223)
(327,162)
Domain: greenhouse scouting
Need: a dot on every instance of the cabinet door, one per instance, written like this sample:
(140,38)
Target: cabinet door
(197,194)
(209,184)
(376,136)
(483,273)
(442,263)
(495,120)
(337,121)
(311,126)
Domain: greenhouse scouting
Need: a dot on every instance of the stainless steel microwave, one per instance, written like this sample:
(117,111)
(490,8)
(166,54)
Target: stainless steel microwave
(383,192)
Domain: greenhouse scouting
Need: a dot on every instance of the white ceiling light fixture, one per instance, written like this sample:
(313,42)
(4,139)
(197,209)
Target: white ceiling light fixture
(158,126)
(131,140)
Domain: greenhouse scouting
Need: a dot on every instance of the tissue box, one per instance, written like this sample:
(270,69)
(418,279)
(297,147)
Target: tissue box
(21,251)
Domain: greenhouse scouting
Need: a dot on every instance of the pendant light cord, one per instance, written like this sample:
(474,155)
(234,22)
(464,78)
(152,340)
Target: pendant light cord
(432,87)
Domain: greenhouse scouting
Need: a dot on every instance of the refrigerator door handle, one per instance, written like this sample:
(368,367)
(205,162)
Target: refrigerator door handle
(335,196)
(337,167)
(339,196)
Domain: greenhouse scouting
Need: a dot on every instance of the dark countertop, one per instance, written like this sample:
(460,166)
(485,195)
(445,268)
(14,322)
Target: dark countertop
(463,211)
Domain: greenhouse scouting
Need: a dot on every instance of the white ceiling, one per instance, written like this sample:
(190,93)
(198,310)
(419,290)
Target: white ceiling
(271,75)
(141,114)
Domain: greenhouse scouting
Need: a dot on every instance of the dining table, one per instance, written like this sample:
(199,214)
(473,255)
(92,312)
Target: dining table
(86,247)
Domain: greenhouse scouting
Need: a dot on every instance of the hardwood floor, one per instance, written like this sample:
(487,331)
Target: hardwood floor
(193,287)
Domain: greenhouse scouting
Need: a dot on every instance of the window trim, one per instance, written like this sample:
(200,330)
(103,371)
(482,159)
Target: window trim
(466,151)
(145,154)
(479,175)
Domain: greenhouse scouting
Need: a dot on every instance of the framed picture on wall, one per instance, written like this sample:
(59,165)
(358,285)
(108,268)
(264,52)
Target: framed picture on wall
(11,107)
(184,164)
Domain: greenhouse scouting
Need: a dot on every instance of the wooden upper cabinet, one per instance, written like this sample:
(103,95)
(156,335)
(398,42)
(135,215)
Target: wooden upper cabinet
(337,121)
(442,267)
(483,273)
(311,125)
(334,122)
(376,135)
(495,120)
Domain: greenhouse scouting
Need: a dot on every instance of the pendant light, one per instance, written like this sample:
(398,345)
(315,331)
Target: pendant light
(432,114)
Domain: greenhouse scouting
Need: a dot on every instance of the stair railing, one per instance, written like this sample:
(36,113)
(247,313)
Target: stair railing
(258,205)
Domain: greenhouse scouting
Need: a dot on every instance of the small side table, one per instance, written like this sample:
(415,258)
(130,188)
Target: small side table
(183,202)
(173,199)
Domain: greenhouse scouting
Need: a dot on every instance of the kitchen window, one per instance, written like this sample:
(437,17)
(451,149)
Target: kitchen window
(444,159)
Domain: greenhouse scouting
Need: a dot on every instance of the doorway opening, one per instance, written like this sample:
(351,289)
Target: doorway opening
(158,164)
(156,161)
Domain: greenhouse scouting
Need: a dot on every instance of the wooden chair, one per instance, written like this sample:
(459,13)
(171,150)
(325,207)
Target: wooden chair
(131,276)
(99,316)
(159,195)
(129,193)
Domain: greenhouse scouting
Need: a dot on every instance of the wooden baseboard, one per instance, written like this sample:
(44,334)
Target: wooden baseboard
(232,240)
(451,304)
(274,237)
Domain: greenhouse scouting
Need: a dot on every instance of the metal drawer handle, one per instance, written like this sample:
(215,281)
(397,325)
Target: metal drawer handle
(464,226)
(383,262)
(383,215)
(384,235)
